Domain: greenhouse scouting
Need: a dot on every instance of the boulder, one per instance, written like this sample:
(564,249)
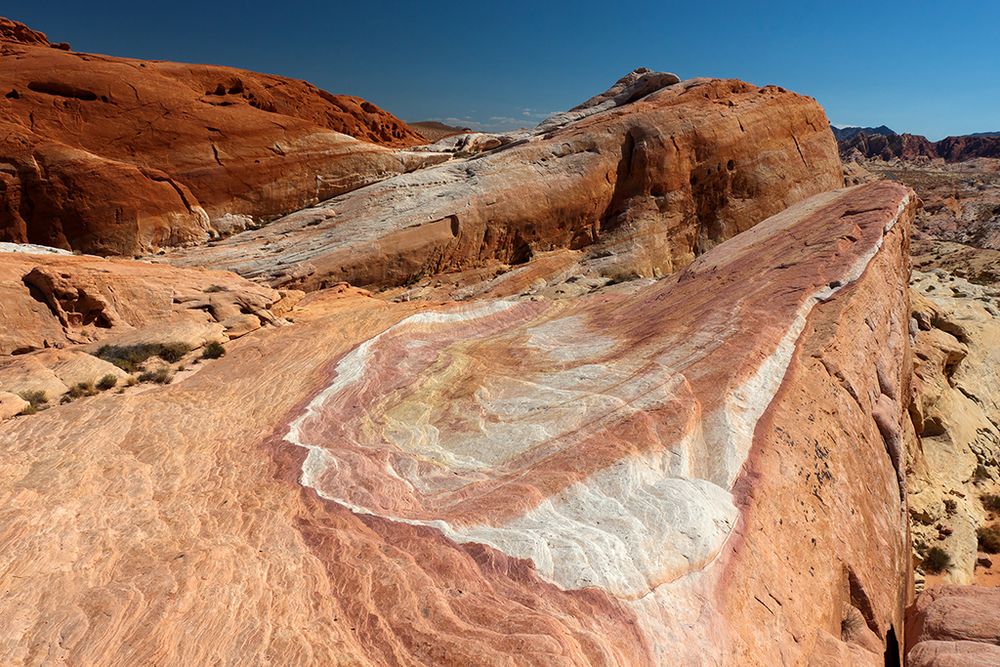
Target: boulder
(11,405)
(952,626)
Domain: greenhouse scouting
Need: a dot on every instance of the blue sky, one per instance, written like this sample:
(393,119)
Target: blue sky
(925,67)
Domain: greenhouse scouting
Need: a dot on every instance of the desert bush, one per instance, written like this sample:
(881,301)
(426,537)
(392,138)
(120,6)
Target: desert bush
(937,560)
(35,397)
(107,382)
(173,352)
(130,358)
(981,474)
(213,351)
(991,501)
(950,506)
(989,539)
(850,624)
(159,376)
(81,389)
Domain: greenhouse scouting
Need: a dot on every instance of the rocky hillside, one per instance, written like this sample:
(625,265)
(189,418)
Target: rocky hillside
(881,142)
(120,156)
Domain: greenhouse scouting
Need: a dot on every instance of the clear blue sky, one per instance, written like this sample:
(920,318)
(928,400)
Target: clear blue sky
(925,67)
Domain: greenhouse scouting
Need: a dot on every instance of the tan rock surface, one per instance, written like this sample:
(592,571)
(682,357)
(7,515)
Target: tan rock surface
(645,475)
(957,346)
(11,405)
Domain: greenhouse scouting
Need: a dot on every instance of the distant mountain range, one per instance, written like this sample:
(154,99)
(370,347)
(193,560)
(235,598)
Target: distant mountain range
(882,142)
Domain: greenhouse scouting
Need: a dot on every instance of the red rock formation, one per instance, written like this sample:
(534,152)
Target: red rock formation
(687,471)
(647,184)
(912,146)
(113,155)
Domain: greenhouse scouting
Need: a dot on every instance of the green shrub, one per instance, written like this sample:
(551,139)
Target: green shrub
(213,351)
(989,539)
(937,560)
(107,382)
(159,376)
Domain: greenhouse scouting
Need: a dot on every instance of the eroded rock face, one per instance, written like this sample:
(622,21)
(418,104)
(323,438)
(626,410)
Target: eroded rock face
(55,301)
(956,329)
(652,473)
(120,156)
(647,185)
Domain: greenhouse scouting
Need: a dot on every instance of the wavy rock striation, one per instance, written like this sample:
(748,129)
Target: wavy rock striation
(649,474)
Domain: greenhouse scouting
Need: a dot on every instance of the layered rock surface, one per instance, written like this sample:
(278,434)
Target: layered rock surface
(651,473)
(955,626)
(643,180)
(120,156)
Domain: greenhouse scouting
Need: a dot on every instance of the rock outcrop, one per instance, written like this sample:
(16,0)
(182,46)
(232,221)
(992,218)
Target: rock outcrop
(56,301)
(120,156)
(956,328)
(955,626)
(646,184)
(651,473)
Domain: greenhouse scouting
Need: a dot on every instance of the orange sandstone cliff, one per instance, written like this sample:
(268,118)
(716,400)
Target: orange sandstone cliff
(121,156)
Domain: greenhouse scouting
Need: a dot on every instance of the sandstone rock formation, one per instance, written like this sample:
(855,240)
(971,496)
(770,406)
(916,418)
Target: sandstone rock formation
(957,345)
(955,626)
(652,473)
(54,301)
(67,319)
(645,184)
(120,156)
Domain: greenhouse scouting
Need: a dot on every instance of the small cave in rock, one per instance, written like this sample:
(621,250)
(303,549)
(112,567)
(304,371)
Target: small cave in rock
(13,94)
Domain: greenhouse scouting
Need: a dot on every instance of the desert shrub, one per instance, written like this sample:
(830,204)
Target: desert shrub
(991,501)
(950,506)
(107,382)
(989,539)
(81,389)
(130,358)
(981,474)
(173,352)
(213,351)
(159,376)
(937,560)
(35,397)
